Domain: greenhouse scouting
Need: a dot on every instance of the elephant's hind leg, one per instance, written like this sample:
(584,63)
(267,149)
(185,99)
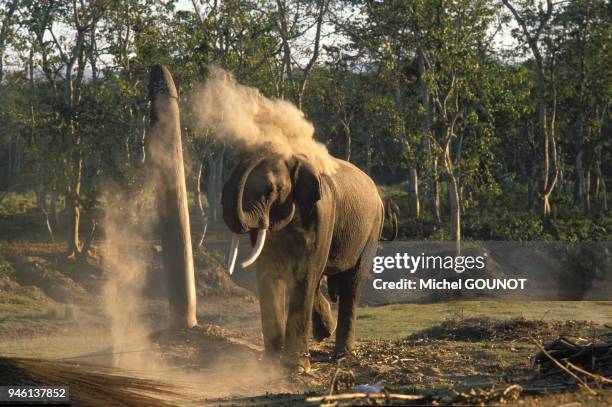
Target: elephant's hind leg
(349,290)
(323,321)
(349,285)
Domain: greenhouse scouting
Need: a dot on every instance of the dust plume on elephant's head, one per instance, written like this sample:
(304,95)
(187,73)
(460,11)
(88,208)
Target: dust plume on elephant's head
(244,118)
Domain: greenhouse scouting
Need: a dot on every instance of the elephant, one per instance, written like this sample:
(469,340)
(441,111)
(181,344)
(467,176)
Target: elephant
(305,225)
(392,214)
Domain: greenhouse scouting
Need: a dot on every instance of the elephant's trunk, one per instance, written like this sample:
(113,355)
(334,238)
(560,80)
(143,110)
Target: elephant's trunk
(232,198)
(233,251)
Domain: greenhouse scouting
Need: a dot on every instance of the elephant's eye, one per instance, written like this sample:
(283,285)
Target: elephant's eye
(269,190)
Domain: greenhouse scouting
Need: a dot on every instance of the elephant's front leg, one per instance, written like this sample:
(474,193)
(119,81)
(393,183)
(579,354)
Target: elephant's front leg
(272,305)
(299,319)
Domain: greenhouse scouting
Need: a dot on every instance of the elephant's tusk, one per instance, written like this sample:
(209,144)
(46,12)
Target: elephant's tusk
(259,244)
(232,254)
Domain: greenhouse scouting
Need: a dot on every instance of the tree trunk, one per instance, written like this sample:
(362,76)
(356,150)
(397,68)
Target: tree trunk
(604,196)
(5,30)
(415,205)
(600,183)
(53,209)
(347,143)
(579,176)
(547,135)
(41,203)
(435,191)
(73,210)
(13,156)
(455,208)
(545,205)
(166,152)
(532,182)
(143,142)
(562,182)
(597,171)
(73,190)
(368,143)
(454,200)
(201,213)
(425,133)
(587,193)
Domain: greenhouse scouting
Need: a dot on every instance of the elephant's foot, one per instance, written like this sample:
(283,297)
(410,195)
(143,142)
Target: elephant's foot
(323,321)
(322,330)
(296,362)
(270,356)
(344,360)
(342,352)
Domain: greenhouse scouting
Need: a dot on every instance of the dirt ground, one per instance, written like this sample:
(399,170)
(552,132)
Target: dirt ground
(467,353)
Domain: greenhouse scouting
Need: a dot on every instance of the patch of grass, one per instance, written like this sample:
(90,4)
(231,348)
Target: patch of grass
(40,327)
(20,306)
(56,346)
(208,258)
(69,312)
(6,270)
(43,272)
(486,329)
(401,320)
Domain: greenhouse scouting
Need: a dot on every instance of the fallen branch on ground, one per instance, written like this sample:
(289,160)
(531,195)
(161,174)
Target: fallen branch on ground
(591,359)
(356,396)
(563,351)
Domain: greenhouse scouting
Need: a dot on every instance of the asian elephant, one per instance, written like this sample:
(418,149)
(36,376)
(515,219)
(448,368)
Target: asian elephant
(304,225)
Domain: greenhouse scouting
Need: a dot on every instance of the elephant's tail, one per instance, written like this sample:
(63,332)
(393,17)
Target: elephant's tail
(392,213)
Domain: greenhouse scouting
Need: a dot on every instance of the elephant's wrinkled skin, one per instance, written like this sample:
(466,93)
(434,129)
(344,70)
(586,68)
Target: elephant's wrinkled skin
(318,225)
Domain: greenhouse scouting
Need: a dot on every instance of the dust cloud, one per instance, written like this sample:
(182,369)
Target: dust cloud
(143,343)
(241,116)
(125,271)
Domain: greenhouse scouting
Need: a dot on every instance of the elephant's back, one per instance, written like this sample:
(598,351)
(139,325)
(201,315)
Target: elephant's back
(351,182)
(358,214)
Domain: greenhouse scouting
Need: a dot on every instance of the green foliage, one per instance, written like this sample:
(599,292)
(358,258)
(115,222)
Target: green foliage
(394,82)
(6,270)
(42,272)
(13,203)
(208,259)
(503,224)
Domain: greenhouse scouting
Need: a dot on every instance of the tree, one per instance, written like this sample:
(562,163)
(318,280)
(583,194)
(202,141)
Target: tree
(67,55)
(166,152)
(294,21)
(581,31)
(533,25)
(5,30)
(447,37)
(382,41)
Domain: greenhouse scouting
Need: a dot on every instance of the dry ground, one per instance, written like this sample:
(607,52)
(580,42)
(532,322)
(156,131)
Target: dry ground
(464,353)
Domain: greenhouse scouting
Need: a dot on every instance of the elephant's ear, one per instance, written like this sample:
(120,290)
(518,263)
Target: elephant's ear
(306,185)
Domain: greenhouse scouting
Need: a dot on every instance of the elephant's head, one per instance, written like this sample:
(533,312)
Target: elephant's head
(263,193)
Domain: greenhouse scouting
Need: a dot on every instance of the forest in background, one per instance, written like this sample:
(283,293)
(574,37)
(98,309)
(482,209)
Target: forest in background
(471,138)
